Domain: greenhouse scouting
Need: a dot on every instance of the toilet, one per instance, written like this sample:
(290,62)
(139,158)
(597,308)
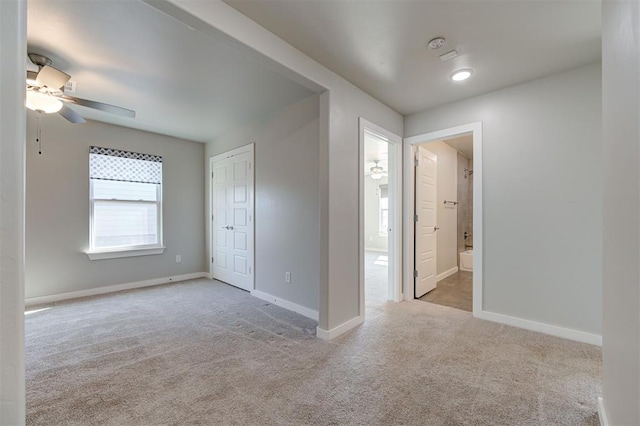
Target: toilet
(466,260)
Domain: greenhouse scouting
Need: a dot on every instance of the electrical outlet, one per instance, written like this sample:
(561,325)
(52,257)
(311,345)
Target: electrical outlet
(287,277)
(178,258)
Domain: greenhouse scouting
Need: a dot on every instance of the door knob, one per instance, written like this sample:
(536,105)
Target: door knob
(231,228)
(435,228)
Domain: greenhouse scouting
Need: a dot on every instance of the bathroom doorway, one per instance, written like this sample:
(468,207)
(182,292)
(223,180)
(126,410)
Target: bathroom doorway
(443,183)
(444,187)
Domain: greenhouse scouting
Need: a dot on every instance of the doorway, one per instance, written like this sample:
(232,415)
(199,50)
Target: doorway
(443,214)
(231,213)
(380,218)
(443,224)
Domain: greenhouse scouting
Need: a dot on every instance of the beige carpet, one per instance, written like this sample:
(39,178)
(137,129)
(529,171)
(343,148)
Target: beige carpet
(202,352)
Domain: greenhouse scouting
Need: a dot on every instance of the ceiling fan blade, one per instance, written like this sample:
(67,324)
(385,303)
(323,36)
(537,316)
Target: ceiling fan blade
(71,115)
(51,77)
(99,106)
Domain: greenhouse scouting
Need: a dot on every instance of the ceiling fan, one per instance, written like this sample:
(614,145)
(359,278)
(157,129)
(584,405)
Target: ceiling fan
(45,93)
(377,172)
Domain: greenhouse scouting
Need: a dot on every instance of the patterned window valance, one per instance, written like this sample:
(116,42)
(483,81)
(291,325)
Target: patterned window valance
(113,164)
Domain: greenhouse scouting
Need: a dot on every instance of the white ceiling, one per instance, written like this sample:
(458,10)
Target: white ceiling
(180,82)
(463,144)
(381,46)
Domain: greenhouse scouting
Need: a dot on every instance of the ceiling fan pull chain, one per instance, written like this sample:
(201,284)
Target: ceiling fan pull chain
(39,133)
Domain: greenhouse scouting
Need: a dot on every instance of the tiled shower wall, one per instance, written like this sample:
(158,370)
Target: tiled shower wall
(465,203)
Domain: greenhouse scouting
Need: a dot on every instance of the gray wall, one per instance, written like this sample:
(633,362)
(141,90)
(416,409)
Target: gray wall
(542,191)
(621,139)
(13,52)
(340,107)
(287,223)
(58,207)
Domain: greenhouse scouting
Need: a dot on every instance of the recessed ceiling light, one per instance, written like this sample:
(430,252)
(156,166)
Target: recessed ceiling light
(460,75)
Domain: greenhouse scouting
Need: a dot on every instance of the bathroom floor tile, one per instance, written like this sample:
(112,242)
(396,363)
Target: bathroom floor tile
(455,291)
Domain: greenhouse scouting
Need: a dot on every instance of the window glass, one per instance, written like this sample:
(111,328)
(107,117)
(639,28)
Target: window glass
(124,224)
(384,209)
(134,191)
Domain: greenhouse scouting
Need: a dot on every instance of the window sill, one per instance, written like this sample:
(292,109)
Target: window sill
(113,254)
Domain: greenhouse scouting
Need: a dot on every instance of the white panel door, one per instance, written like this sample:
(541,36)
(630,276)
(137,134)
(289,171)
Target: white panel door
(232,220)
(426,225)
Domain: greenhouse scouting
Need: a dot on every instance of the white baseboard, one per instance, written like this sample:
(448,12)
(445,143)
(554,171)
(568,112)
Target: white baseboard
(339,330)
(553,330)
(376,250)
(447,274)
(602,413)
(302,310)
(111,288)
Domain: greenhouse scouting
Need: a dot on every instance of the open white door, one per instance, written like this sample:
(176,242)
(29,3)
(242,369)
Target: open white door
(232,219)
(425,224)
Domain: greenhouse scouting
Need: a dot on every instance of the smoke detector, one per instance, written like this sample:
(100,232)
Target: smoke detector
(436,43)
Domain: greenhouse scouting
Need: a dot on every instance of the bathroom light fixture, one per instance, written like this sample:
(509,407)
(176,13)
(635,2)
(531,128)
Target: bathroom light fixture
(37,101)
(462,74)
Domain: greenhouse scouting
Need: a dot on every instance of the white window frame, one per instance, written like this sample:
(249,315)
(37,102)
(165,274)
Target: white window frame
(383,231)
(128,251)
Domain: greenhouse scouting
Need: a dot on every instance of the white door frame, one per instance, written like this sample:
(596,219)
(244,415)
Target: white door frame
(409,148)
(250,148)
(395,210)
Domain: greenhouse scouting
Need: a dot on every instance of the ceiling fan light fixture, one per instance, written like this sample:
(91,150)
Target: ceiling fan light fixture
(376,171)
(51,77)
(31,78)
(37,101)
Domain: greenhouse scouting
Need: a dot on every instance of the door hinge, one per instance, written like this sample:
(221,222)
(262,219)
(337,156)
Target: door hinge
(211,175)
(211,217)
(415,217)
(415,274)
(212,260)
(249,269)
(416,162)
(249,166)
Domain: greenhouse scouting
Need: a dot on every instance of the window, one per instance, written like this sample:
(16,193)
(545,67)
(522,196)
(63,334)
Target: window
(126,203)
(384,209)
